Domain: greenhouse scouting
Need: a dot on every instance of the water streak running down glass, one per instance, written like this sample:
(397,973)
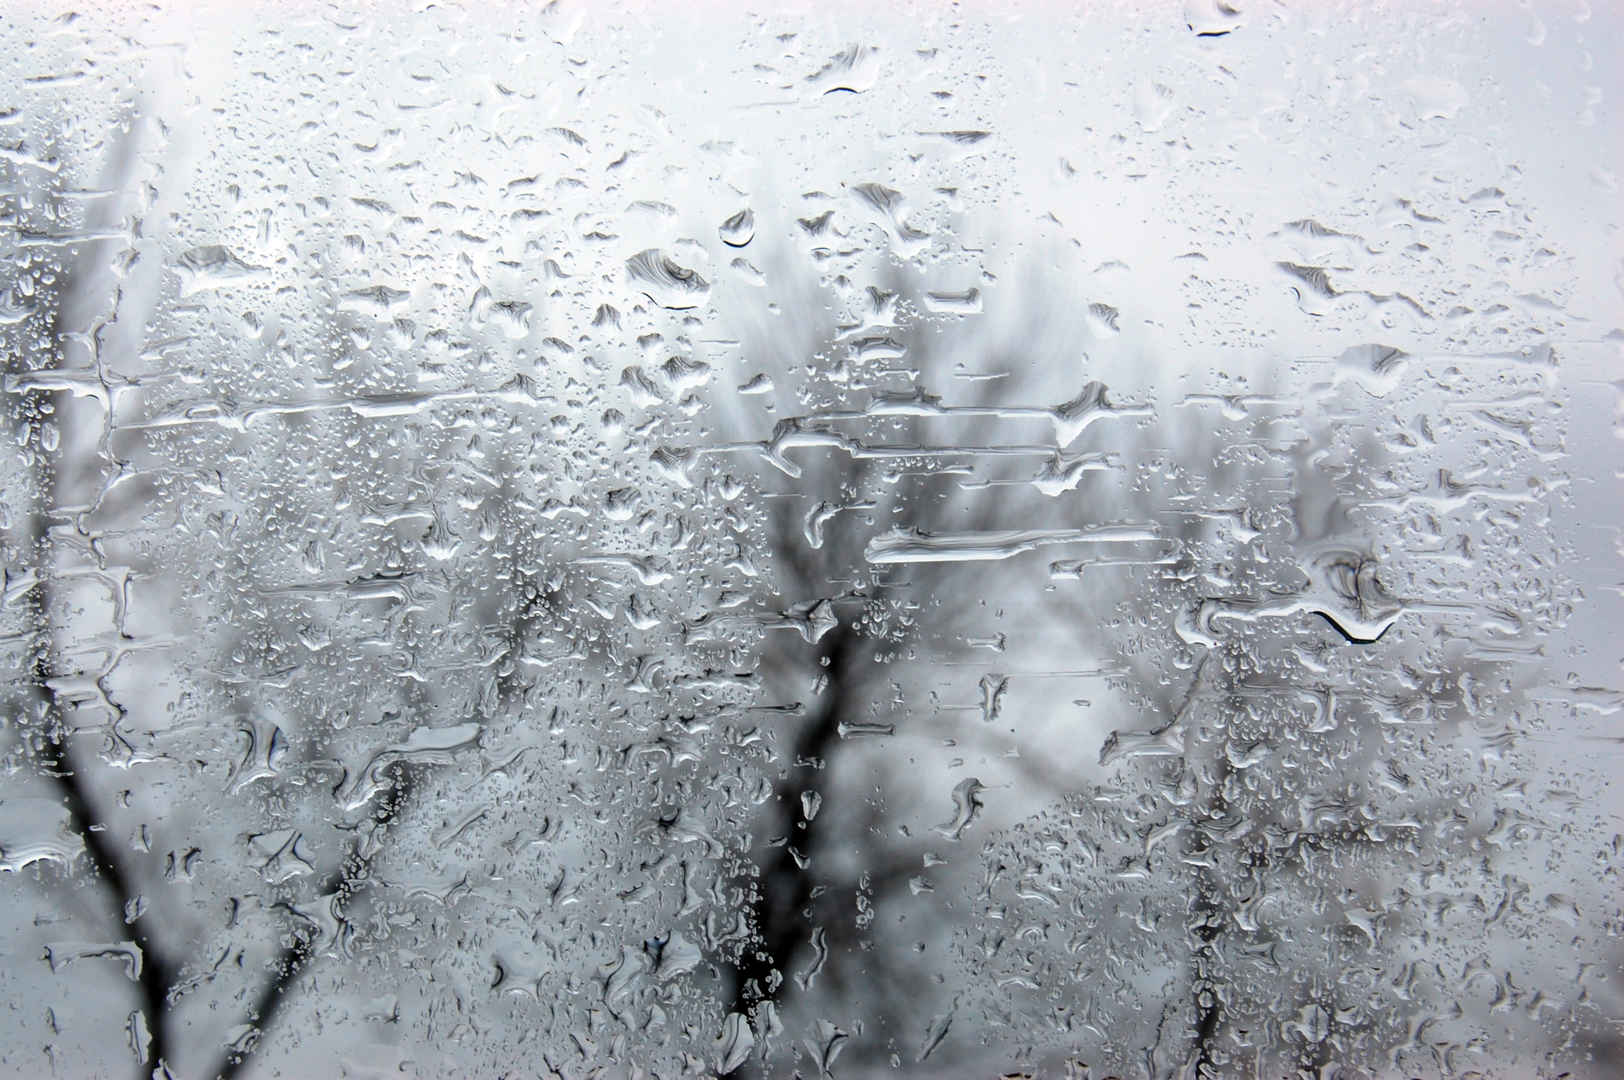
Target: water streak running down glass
(844,540)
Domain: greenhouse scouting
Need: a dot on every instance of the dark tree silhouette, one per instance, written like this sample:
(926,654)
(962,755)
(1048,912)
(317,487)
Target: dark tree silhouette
(64,442)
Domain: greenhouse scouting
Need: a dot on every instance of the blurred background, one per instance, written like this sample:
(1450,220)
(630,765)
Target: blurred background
(576,540)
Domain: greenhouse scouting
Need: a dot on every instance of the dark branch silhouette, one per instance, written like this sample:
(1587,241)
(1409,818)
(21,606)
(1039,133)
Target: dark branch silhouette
(158,973)
(787,877)
(294,959)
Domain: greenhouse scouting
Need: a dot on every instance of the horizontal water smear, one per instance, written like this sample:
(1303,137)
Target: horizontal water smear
(914,546)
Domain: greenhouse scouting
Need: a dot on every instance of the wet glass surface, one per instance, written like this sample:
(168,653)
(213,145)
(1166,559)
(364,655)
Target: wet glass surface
(849,540)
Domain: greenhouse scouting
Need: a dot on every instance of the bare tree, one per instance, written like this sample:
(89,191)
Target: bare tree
(889,513)
(70,412)
(1259,878)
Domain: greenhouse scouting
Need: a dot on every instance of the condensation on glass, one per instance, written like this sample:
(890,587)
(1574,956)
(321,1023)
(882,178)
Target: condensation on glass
(974,541)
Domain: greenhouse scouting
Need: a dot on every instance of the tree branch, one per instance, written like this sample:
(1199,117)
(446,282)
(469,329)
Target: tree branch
(157,973)
(293,960)
(785,885)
